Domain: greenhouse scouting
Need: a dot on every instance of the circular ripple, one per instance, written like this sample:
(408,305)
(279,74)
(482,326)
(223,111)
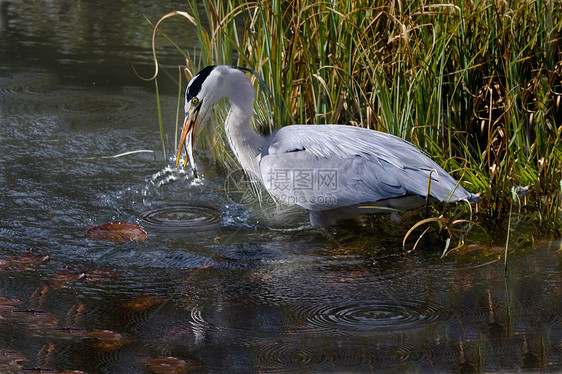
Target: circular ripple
(182,217)
(324,355)
(29,83)
(104,107)
(366,317)
(20,94)
(85,103)
(289,357)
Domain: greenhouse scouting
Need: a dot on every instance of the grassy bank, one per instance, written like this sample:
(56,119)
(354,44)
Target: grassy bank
(476,84)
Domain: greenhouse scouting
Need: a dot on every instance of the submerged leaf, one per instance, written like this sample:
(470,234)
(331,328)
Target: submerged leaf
(117,232)
(36,321)
(142,303)
(9,305)
(10,361)
(165,365)
(106,340)
(79,274)
(24,262)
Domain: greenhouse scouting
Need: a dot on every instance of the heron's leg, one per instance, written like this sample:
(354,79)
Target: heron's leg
(322,218)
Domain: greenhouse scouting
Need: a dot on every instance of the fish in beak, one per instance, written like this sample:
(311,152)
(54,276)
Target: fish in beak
(189,132)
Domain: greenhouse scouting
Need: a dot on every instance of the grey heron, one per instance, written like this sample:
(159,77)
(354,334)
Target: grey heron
(333,171)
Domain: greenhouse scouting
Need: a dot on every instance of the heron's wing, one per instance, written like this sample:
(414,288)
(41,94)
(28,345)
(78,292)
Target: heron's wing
(342,141)
(369,165)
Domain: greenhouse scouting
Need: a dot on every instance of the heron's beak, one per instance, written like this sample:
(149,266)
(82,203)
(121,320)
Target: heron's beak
(188,134)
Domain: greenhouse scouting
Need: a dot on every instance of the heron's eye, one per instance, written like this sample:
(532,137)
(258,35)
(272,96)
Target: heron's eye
(194,101)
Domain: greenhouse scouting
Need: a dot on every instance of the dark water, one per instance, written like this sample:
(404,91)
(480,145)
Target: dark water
(215,287)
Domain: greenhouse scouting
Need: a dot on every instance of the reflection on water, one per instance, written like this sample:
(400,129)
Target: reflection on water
(214,288)
(91,42)
(313,311)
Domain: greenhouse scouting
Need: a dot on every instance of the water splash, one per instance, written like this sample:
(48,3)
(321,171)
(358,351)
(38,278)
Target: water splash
(170,181)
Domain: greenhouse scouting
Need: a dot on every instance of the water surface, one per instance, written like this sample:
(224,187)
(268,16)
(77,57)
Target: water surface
(217,286)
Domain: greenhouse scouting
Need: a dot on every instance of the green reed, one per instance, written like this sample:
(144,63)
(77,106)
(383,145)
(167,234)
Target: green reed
(475,84)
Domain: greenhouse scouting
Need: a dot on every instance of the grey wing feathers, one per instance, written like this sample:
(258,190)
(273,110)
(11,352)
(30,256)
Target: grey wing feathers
(343,141)
(371,165)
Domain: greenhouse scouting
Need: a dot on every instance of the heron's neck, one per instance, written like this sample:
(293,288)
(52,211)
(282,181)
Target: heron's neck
(244,141)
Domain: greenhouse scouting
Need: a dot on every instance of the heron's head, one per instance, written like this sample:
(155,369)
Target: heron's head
(203,91)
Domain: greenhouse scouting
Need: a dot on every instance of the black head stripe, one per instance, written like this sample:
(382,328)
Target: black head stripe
(195,86)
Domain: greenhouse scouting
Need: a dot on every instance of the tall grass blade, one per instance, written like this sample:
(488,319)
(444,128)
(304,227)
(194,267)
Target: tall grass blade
(160,122)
